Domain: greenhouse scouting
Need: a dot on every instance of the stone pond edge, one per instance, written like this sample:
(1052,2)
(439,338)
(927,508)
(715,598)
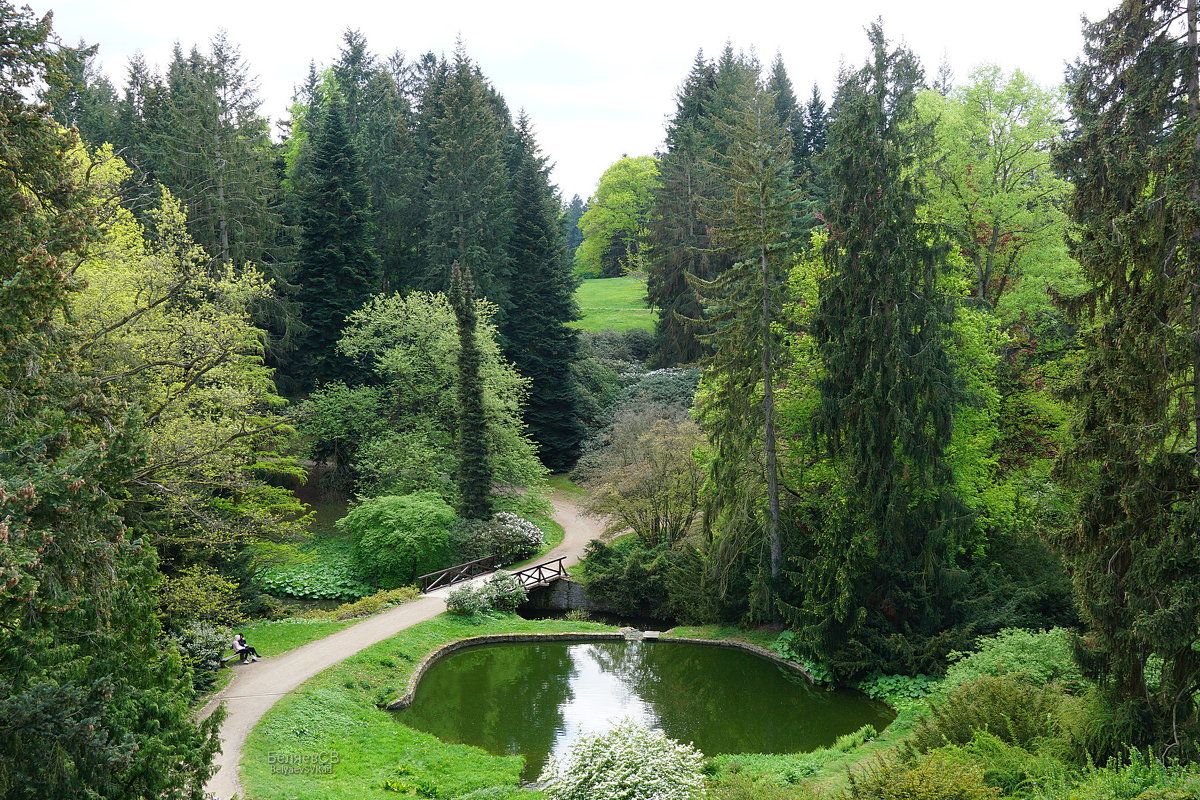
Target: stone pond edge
(405,700)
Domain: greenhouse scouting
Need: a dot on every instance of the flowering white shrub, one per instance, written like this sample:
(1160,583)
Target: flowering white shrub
(514,538)
(629,762)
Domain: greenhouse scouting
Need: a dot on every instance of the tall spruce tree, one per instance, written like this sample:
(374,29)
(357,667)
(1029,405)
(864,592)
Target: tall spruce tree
(741,308)
(540,344)
(91,703)
(474,456)
(678,239)
(570,223)
(876,582)
(469,211)
(337,269)
(1135,460)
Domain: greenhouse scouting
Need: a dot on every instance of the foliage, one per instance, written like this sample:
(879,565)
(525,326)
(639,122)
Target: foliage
(506,536)
(411,345)
(627,762)
(615,221)
(746,787)
(198,594)
(326,573)
(628,576)
(201,645)
(1134,458)
(336,421)
(474,456)
(896,689)
(366,606)
(936,777)
(92,703)
(398,538)
(501,593)
(1043,658)
(1011,709)
(875,583)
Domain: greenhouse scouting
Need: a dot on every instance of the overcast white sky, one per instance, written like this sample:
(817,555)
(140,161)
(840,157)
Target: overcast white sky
(598,79)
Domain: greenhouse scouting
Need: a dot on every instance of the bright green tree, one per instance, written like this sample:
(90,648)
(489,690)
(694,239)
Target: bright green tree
(92,704)
(875,591)
(1135,462)
(614,225)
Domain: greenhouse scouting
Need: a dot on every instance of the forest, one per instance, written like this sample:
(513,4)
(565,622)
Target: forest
(903,381)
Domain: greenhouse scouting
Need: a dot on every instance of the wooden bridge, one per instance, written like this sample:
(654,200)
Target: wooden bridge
(530,577)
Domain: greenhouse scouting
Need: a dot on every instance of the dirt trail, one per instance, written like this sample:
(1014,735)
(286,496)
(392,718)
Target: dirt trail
(256,687)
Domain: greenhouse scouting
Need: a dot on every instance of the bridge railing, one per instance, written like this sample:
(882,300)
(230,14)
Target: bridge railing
(541,574)
(459,572)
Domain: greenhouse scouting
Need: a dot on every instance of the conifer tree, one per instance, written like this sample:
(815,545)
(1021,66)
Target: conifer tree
(91,704)
(741,308)
(875,592)
(474,456)
(1135,460)
(469,210)
(678,239)
(337,269)
(570,223)
(540,344)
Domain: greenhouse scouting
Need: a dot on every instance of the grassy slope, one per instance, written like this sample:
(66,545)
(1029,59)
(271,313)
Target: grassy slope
(337,711)
(614,304)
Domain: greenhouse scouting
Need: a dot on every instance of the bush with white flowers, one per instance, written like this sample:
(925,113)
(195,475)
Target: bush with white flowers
(629,762)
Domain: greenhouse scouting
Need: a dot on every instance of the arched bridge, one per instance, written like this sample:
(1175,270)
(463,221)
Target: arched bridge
(532,577)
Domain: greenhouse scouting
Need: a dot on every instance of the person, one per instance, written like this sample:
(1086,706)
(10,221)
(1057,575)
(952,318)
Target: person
(245,651)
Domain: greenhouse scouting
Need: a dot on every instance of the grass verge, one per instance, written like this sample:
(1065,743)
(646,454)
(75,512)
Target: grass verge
(336,716)
(613,304)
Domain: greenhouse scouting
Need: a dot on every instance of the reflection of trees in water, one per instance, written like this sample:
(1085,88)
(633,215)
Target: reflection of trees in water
(504,698)
(728,701)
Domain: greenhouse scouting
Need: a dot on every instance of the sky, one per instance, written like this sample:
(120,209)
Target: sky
(598,80)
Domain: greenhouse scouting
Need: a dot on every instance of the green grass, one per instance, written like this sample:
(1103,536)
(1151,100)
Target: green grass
(614,304)
(276,637)
(562,482)
(338,712)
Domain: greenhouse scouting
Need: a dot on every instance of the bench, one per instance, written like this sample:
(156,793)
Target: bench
(225,661)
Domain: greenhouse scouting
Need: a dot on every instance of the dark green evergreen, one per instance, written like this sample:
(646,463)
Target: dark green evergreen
(474,456)
(678,240)
(570,225)
(337,270)
(469,216)
(876,586)
(1135,460)
(539,342)
(741,308)
(82,97)
(92,702)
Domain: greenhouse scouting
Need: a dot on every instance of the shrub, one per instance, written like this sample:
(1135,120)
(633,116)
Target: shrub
(366,606)
(201,645)
(629,762)
(627,577)
(398,538)
(198,594)
(507,536)
(503,593)
(932,777)
(1040,657)
(1007,707)
(849,741)
(466,601)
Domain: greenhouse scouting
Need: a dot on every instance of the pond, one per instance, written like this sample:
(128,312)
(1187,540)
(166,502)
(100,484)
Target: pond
(535,699)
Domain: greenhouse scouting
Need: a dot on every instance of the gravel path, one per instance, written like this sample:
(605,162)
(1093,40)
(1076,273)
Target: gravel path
(256,687)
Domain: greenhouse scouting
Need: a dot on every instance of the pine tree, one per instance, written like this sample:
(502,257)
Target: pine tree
(1135,460)
(91,706)
(791,117)
(678,240)
(540,344)
(474,457)
(570,224)
(741,309)
(469,211)
(876,575)
(81,96)
(337,271)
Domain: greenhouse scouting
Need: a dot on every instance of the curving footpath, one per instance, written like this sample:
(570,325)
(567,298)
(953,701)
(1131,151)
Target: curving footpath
(254,689)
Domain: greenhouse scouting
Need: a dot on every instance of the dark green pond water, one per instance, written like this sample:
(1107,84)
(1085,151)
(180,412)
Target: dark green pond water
(534,699)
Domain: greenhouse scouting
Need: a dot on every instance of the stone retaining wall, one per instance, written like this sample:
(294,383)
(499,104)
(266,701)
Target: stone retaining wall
(405,700)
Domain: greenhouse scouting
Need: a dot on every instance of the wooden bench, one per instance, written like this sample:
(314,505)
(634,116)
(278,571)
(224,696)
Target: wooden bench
(225,661)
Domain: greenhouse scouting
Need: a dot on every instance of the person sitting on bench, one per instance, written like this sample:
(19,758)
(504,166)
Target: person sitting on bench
(243,650)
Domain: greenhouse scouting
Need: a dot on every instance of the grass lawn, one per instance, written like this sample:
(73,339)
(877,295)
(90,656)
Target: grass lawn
(276,637)
(614,304)
(336,715)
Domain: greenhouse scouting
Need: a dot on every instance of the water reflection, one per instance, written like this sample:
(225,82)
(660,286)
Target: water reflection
(535,699)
